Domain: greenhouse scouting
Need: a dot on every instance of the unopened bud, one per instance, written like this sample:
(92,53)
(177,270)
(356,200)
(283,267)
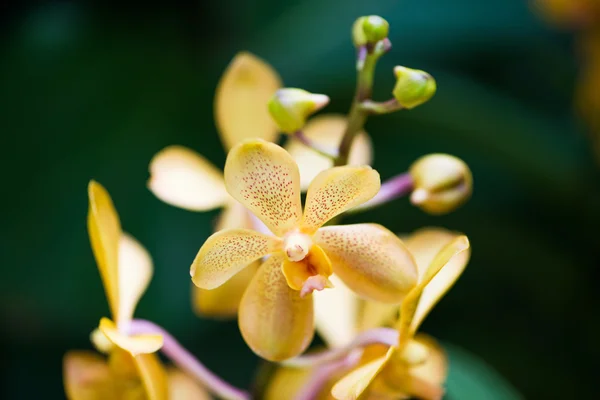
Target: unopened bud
(290,108)
(441,183)
(413,87)
(369,29)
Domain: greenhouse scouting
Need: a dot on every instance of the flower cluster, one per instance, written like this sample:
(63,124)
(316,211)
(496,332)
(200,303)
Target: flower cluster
(281,267)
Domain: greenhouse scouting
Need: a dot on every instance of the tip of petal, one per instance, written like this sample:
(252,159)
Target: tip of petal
(320,100)
(315,282)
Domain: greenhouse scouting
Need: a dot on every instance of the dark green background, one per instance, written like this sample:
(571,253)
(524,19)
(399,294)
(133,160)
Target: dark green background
(93,90)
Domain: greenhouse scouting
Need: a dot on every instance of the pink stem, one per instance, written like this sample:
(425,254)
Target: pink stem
(387,336)
(393,188)
(182,358)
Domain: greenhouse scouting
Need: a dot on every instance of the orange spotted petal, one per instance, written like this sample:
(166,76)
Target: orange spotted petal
(274,320)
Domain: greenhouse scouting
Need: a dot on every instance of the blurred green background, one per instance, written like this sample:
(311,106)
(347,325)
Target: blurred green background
(94,89)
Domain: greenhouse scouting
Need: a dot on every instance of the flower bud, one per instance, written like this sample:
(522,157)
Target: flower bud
(369,29)
(441,183)
(413,87)
(290,108)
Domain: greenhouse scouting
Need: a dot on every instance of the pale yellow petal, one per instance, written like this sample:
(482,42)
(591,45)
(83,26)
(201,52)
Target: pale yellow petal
(275,321)
(86,376)
(183,387)
(337,190)
(223,302)
(374,314)
(326,131)
(287,383)
(241,100)
(183,178)
(355,385)
(336,313)
(412,312)
(153,376)
(134,344)
(426,243)
(371,260)
(265,178)
(234,215)
(104,230)
(435,368)
(135,272)
(227,252)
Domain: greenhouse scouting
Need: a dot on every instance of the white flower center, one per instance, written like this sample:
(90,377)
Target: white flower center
(296,245)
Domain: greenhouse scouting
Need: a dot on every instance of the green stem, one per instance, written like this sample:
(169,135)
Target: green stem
(381,107)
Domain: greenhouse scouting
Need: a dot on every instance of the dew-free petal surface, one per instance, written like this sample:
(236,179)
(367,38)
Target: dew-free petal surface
(183,178)
(354,386)
(234,215)
(227,252)
(274,320)
(426,243)
(337,190)
(241,100)
(371,260)
(265,178)
(316,262)
(183,387)
(87,376)
(104,230)
(153,376)
(134,344)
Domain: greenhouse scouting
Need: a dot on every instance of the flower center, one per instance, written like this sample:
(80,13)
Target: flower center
(296,245)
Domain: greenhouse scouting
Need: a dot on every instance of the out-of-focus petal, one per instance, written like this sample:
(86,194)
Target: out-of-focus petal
(337,190)
(241,100)
(425,244)
(227,252)
(326,131)
(374,314)
(87,376)
(287,383)
(274,320)
(316,262)
(445,268)
(223,301)
(153,376)
(234,215)
(104,230)
(335,314)
(354,386)
(265,178)
(435,368)
(182,387)
(371,260)
(135,272)
(183,178)
(134,344)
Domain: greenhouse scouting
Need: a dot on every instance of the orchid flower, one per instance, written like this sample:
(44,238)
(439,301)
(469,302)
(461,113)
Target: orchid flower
(132,369)
(276,311)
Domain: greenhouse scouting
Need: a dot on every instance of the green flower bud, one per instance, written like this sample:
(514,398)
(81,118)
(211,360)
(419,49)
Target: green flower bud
(413,87)
(290,108)
(375,28)
(358,32)
(441,183)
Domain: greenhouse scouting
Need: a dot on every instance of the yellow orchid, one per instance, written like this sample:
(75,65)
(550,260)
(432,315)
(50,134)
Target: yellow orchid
(276,311)
(183,178)
(416,366)
(132,369)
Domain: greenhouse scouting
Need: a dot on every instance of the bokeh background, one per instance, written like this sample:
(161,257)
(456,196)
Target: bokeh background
(93,89)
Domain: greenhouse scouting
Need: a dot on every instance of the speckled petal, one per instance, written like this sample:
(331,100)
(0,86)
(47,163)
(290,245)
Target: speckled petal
(134,344)
(371,260)
(104,230)
(87,376)
(223,302)
(227,252)
(337,190)
(274,320)
(153,376)
(183,387)
(241,100)
(265,178)
(326,131)
(135,272)
(183,178)
(355,385)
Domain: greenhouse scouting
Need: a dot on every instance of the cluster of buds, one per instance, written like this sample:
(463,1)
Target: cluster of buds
(278,265)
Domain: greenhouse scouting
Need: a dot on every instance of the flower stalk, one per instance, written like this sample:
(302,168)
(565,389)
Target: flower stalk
(396,187)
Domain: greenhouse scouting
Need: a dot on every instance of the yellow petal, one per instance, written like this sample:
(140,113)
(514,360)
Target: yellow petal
(234,215)
(336,190)
(223,302)
(152,375)
(326,131)
(274,320)
(441,274)
(374,314)
(183,178)
(241,100)
(87,376)
(316,262)
(104,230)
(227,252)
(287,383)
(134,344)
(355,385)
(135,272)
(435,368)
(265,178)
(425,244)
(336,313)
(182,387)
(371,260)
